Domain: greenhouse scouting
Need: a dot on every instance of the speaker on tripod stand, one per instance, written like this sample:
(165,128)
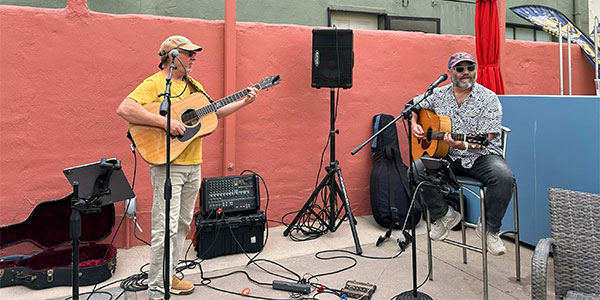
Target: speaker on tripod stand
(332,62)
(332,58)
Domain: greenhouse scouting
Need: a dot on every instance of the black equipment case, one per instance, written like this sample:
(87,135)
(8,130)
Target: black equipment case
(37,253)
(216,237)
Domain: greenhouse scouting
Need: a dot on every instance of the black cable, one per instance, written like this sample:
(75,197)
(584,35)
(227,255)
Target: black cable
(207,281)
(90,293)
(266,218)
(317,255)
(135,161)
(198,230)
(247,295)
(306,225)
(136,282)
(253,261)
(184,75)
(132,147)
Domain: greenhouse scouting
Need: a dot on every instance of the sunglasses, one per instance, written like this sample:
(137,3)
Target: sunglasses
(461,69)
(188,53)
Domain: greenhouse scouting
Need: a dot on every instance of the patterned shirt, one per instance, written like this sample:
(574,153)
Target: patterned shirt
(480,113)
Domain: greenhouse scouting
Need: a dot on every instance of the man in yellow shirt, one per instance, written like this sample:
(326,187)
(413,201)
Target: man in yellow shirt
(185,169)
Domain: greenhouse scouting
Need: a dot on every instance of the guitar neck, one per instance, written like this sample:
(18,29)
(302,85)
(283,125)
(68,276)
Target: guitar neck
(213,107)
(439,135)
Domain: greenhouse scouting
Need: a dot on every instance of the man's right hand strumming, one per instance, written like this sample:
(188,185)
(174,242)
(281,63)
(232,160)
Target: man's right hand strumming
(417,131)
(177,128)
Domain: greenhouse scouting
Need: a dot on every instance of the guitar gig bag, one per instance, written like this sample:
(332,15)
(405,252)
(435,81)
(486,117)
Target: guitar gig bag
(389,192)
(37,252)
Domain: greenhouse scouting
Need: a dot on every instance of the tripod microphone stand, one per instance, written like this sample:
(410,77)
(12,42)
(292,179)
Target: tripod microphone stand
(335,190)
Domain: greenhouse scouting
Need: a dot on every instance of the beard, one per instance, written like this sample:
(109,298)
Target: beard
(456,80)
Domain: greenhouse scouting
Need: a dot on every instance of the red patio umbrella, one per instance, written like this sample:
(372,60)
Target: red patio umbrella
(487,42)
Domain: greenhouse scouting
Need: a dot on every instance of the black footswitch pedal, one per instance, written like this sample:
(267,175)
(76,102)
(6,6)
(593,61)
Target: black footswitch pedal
(301,288)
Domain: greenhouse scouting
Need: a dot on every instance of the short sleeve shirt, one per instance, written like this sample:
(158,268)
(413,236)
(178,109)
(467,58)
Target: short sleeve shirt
(480,113)
(147,92)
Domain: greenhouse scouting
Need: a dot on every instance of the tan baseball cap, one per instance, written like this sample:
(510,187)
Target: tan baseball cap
(177,41)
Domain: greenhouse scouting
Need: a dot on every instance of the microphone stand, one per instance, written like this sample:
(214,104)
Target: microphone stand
(165,109)
(406,114)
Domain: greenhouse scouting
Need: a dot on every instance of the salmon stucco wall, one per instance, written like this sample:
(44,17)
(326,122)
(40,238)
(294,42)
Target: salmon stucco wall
(65,71)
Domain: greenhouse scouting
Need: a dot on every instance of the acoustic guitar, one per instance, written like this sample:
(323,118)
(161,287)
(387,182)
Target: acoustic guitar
(195,112)
(435,127)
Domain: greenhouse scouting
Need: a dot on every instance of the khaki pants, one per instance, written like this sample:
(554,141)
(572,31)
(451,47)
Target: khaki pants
(185,181)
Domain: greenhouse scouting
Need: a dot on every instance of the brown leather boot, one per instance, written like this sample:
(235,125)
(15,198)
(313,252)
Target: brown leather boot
(181,287)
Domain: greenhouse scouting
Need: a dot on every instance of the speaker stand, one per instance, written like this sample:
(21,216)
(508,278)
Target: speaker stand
(335,190)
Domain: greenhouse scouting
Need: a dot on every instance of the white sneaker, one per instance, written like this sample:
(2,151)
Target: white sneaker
(495,245)
(440,228)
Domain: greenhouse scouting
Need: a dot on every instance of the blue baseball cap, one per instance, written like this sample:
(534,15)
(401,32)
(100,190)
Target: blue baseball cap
(459,57)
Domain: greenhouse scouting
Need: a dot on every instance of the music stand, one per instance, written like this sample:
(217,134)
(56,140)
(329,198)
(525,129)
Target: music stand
(94,185)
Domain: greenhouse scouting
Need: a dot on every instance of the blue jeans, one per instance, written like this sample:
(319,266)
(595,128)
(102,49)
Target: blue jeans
(492,170)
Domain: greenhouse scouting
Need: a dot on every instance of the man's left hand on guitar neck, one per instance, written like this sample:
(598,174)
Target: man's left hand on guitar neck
(252,95)
(459,144)
(233,107)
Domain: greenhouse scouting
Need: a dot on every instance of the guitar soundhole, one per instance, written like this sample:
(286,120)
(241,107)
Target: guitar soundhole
(189,117)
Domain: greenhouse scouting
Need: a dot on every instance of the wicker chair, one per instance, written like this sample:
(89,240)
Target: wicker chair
(574,217)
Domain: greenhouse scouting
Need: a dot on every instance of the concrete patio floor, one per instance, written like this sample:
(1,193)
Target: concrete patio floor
(452,278)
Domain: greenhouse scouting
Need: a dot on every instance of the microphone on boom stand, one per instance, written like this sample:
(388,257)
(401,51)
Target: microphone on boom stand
(164,105)
(406,114)
(440,79)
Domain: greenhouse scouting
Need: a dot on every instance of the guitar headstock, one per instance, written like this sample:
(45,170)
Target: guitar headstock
(268,82)
(480,139)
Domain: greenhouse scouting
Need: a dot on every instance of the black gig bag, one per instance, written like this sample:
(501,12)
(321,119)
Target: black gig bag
(37,253)
(390,199)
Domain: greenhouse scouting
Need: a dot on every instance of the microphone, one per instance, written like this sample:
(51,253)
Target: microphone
(164,105)
(440,79)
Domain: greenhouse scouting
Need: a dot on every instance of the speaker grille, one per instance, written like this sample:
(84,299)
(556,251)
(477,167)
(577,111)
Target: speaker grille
(332,58)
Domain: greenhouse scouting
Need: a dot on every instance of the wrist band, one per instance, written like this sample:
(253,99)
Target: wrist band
(466,146)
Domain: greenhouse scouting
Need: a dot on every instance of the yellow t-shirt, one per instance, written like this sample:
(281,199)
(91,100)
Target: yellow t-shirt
(147,92)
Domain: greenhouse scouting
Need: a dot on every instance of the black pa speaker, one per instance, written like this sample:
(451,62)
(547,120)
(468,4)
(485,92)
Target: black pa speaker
(332,58)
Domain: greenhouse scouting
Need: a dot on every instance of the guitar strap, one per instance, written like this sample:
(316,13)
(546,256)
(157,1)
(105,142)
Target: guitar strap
(196,89)
(389,154)
(396,156)
(393,154)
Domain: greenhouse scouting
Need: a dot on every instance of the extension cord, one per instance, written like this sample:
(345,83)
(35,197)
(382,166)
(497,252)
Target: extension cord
(291,286)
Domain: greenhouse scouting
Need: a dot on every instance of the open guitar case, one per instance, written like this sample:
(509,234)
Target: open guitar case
(37,253)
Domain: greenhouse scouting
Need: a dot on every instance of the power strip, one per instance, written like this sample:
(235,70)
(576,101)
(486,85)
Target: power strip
(301,288)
